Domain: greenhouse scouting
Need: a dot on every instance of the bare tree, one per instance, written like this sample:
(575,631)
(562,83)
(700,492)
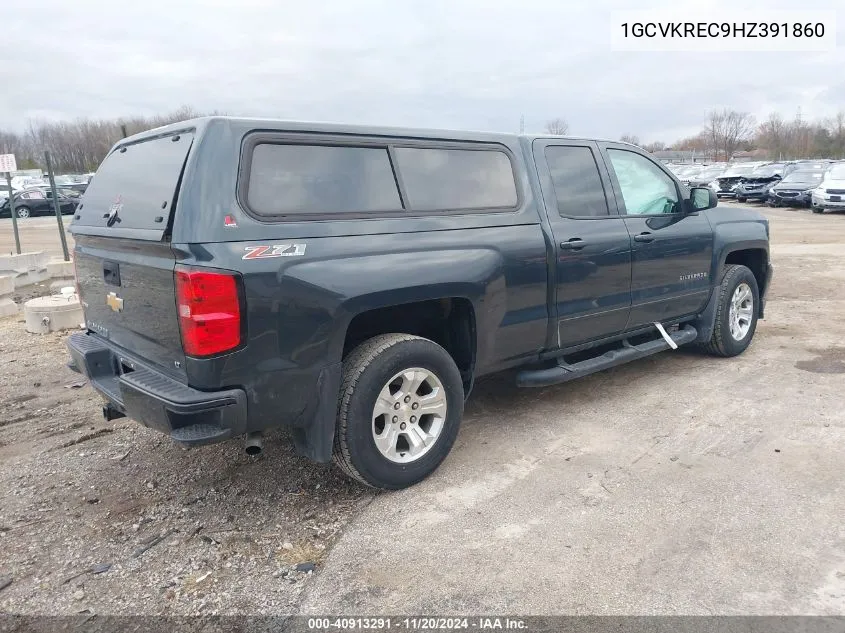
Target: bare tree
(80,145)
(633,139)
(772,136)
(558,127)
(655,146)
(726,129)
(836,126)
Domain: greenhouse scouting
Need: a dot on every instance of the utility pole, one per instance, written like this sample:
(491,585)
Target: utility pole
(14,212)
(56,206)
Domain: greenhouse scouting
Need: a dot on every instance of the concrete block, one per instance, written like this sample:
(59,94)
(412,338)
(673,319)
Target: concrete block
(26,268)
(8,308)
(7,285)
(58,268)
(52,314)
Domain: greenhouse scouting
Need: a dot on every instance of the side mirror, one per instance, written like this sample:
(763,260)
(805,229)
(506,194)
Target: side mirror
(703,198)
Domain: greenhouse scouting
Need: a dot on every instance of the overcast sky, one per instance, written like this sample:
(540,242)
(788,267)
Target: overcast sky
(468,64)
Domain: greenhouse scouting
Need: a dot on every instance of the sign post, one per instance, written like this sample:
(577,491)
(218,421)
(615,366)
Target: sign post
(8,164)
(56,206)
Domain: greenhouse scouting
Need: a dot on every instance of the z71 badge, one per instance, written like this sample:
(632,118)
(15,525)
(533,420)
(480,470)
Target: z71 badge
(277,250)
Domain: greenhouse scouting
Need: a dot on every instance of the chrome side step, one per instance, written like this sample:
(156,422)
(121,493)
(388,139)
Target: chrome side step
(563,372)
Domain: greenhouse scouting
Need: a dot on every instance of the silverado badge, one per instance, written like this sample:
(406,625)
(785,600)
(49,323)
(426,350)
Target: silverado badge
(114,302)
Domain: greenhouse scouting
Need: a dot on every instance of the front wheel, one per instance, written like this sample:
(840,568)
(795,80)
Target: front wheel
(740,199)
(736,312)
(399,410)
(817,210)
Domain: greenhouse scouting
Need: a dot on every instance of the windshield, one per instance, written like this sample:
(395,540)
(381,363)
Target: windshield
(837,172)
(711,173)
(739,170)
(804,176)
(766,171)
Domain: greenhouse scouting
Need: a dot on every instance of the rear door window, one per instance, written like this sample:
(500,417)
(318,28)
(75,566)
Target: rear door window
(320,179)
(577,183)
(456,179)
(139,182)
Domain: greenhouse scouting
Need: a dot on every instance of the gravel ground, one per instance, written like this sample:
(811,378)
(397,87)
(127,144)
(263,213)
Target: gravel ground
(110,517)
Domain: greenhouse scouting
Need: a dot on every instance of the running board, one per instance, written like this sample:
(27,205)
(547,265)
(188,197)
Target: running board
(564,372)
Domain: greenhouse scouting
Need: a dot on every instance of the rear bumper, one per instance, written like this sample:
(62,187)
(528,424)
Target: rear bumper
(189,416)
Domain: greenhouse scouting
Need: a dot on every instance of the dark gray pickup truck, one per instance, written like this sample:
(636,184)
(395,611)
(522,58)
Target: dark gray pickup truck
(351,283)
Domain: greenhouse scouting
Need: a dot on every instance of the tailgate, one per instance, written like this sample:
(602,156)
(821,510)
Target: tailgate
(128,295)
(124,263)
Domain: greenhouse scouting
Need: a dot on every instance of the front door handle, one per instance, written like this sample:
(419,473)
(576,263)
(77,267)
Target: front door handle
(573,244)
(644,237)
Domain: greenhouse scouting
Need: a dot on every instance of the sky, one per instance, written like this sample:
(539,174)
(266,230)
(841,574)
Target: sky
(462,64)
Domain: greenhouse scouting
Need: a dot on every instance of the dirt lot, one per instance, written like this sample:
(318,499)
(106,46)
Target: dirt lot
(680,484)
(83,498)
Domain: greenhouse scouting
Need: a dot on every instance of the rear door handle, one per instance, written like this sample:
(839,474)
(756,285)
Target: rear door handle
(644,237)
(573,244)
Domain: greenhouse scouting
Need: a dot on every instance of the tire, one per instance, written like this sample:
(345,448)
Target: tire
(724,341)
(375,368)
(817,210)
(740,199)
(23,212)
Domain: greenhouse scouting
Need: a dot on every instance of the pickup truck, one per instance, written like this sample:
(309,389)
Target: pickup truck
(351,283)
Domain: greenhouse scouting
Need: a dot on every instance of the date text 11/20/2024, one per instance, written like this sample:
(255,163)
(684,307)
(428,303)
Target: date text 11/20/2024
(417,624)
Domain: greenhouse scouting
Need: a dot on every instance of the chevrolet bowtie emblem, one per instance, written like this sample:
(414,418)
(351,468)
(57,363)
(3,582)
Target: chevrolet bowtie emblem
(114,302)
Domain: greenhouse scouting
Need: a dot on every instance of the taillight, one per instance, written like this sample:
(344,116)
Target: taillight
(209,311)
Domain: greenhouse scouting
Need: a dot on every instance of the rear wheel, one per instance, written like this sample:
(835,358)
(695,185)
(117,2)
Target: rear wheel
(23,212)
(399,410)
(736,312)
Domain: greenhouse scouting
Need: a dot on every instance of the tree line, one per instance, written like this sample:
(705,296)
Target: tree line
(79,146)
(726,131)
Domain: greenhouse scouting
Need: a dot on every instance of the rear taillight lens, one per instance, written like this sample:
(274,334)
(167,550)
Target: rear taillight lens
(209,311)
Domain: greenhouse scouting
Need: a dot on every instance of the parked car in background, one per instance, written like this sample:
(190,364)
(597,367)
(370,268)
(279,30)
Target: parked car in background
(830,194)
(728,181)
(78,183)
(795,188)
(65,191)
(756,185)
(38,201)
(689,171)
(821,164)
(705,178)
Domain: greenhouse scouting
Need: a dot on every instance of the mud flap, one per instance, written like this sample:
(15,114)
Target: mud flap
(315,439)
(706,321)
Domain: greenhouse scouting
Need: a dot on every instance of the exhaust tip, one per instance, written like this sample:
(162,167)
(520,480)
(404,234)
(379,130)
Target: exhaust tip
(254,444)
